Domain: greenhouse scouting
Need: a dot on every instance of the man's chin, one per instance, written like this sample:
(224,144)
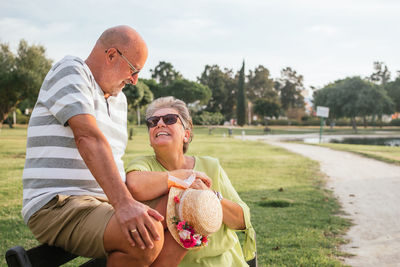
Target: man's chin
(118,90)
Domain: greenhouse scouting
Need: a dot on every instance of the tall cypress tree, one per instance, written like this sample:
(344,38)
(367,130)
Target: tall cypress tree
(241,100)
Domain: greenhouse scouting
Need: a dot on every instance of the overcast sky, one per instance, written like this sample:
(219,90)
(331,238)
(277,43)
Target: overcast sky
(322,40)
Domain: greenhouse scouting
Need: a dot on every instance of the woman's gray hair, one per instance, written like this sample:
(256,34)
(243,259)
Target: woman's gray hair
(180,107)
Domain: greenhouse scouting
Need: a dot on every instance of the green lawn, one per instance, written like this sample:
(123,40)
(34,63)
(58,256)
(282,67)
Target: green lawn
(295,218)
(383,153)
(275,129)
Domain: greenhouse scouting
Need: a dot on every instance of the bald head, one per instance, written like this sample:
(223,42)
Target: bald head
(119,53)
(124,38)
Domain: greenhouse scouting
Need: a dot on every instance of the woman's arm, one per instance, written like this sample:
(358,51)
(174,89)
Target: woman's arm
(233,215)
(147,185)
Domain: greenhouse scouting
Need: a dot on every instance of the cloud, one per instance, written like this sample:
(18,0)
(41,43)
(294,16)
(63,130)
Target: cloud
(17,28)
(325,30)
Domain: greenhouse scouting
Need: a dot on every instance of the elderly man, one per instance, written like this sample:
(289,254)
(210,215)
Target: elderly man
(75,195)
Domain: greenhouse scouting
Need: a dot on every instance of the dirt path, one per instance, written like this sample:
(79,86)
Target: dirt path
(369,191)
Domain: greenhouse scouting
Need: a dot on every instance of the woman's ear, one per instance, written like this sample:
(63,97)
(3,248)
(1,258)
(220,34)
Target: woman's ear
(187,136)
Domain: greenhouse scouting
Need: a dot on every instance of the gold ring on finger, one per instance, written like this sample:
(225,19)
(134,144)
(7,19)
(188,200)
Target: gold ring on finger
(134,230)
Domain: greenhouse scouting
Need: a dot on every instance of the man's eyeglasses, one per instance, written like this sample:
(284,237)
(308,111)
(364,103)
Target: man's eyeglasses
(134,70)
(168,119)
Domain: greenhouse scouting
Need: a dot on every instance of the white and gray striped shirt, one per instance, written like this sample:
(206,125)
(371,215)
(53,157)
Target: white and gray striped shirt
(53,163)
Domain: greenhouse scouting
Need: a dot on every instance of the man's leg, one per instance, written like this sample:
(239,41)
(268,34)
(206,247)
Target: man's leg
(121,253)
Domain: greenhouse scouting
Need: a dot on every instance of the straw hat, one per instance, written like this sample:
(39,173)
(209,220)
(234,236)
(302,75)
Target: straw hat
(200,209)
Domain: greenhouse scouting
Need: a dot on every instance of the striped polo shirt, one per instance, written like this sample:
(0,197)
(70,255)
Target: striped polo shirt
(53,164)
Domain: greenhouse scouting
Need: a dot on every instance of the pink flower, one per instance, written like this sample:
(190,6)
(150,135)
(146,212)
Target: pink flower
(176,199)
(180,225)
(194,241)
(188,243)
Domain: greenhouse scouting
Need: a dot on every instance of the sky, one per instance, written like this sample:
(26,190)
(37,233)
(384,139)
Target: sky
(321,40)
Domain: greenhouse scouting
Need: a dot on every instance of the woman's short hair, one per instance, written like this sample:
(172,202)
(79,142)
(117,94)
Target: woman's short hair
(180,107)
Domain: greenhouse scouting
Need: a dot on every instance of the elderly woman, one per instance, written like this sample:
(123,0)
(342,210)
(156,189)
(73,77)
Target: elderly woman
(170,132)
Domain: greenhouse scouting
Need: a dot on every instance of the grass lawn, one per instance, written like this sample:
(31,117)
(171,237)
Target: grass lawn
(295,218)
(384,153)
(276,129)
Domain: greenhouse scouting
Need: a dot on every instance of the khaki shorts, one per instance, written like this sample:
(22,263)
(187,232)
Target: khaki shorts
(74,223)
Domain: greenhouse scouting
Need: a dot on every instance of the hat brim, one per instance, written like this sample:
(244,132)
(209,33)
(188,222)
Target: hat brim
(171,213)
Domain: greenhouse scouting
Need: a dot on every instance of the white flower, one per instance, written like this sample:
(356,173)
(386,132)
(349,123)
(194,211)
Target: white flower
(185,234)
(197,237)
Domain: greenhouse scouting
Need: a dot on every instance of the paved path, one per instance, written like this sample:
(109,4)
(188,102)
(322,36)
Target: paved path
(369,191)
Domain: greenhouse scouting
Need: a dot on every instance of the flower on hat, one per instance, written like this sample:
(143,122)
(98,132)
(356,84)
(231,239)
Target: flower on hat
(189,243)
(176,199)
(188,236)
(180,225)
(198,238)
(204,240)
(185,234)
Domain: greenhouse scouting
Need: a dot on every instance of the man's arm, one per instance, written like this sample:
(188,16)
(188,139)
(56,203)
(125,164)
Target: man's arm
(96,152)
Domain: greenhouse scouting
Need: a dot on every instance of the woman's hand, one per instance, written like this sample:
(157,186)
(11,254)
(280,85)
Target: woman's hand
(199,185)
(204,178)
(185,173)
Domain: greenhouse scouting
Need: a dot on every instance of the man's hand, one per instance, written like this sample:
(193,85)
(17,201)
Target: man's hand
(135,220)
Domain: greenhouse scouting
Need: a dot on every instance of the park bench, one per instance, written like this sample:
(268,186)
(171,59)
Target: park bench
(48,256)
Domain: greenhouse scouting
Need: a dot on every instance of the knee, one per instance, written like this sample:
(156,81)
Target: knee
(155,251)
(134,256)
(149,255)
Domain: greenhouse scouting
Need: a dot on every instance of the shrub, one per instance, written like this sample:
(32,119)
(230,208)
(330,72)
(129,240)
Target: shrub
(395,122)
(208,118)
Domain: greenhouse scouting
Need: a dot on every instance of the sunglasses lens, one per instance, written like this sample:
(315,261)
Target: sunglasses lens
(152,121)
(170,119)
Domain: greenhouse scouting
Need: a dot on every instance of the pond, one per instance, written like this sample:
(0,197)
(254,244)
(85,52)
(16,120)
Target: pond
(368,141)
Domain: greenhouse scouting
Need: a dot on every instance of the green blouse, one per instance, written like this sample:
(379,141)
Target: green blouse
(223,247)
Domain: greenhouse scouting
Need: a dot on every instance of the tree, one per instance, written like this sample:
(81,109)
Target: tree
(188,91)
(373,100)
(137,96)
(241,99)
(353,97)
(381,76)
(260,85)
(223,87)
(393,90)
(267,107)
(164,73)
(21,76)
(329,97)
(290,86)
(7,65)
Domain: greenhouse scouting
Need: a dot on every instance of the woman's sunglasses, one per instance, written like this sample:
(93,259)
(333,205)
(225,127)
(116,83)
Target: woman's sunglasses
(168,119)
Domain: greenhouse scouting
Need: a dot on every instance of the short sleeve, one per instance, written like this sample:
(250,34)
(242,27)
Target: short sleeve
(67,91)
(139,164)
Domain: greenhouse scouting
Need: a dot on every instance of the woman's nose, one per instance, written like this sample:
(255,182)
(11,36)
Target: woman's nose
(161,122)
